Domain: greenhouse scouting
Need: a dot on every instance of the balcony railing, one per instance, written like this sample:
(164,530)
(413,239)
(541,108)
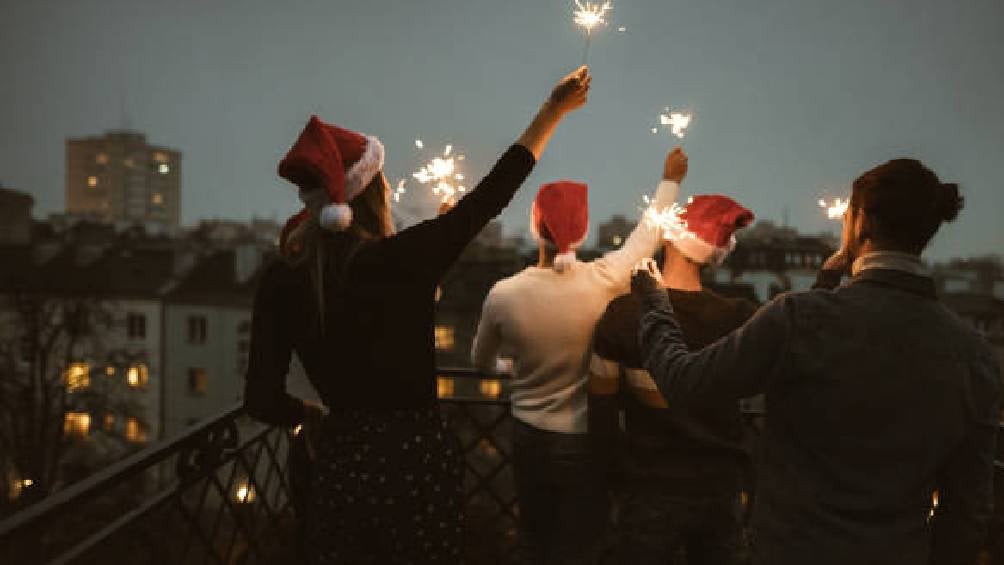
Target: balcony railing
(228,491)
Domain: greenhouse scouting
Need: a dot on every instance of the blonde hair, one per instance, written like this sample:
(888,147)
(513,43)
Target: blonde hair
(371,220)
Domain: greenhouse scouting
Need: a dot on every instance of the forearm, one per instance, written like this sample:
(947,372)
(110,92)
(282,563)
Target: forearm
(540,130)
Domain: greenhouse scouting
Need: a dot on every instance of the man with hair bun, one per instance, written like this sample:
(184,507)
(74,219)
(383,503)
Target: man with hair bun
(878,397)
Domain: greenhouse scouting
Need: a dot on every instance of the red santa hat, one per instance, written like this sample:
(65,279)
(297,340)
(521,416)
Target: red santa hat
(562,209)
(711,223)
(340,161)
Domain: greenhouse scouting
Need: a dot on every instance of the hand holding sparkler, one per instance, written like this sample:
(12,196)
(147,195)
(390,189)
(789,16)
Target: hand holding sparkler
(572,91)
(675,168)
(569,95)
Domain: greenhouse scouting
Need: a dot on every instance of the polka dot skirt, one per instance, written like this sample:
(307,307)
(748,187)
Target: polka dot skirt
(387,487)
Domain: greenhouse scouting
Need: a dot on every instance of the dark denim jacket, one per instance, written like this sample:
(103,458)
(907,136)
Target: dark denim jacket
(876,397)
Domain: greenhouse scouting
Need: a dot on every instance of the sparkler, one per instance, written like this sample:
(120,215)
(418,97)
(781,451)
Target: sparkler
(588,15)
(398,191)
(442,174)
(676,122)
(835,210)
(674,228)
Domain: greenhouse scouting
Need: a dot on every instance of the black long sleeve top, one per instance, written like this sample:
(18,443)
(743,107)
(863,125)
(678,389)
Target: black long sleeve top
(377,348)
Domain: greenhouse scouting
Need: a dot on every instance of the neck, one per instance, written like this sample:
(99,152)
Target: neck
(545,257)
(680,273)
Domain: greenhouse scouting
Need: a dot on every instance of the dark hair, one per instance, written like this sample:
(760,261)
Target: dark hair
(904,203)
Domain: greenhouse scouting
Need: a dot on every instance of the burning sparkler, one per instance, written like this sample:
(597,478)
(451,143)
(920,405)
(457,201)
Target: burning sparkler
(442,174)
(588,15)
(674,227)
(676,122)
(836,209)
(398,191)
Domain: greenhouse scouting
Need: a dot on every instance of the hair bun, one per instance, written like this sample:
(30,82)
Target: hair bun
(949,201)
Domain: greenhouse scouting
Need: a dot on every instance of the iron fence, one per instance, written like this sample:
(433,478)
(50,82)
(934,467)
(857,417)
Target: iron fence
(228,491)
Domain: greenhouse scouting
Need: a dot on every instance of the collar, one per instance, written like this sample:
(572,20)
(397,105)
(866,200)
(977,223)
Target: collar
(922,285)
(889,260)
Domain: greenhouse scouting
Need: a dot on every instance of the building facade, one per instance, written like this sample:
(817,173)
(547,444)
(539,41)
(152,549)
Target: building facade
(118,177)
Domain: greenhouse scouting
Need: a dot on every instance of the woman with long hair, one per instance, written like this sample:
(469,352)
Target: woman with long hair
(355,302)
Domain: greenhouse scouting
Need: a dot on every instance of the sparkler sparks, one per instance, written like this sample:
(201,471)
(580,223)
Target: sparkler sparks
(398,191)
(836,209)
(590,14)
(674,228)
(443,175)
(676,122)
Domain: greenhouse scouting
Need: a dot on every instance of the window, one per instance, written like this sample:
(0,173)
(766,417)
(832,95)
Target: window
(617,240)
(490,388)
(444,338)
(444,387)
(135,431)
(198,382)
(76,424)
(197,329)
(109,422)
(138,375)
(160,157)
(157,198)
(129,163)
(244,492)
(110,371)
(77,376)
(92,181)
(101,159)
(136,325)
(164,168)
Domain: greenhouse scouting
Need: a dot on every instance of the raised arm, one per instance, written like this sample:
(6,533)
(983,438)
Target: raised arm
(645,238)
(740,365)
(966,500)
(440,240)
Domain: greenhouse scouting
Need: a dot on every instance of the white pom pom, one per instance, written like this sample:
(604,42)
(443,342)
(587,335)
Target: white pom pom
(336,217)
(563,261)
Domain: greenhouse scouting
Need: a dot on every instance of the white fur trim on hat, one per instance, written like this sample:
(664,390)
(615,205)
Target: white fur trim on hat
(700,251)
(335,217)
(362,171)
(563,261)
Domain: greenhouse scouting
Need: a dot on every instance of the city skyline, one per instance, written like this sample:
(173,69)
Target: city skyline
(796,99)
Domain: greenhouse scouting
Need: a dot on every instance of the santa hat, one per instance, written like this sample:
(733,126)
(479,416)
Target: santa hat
(562,208)
(340,161)
(711,222)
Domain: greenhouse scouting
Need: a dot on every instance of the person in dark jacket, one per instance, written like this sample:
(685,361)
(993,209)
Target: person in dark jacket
(355,303)
(675,470)
(877,397)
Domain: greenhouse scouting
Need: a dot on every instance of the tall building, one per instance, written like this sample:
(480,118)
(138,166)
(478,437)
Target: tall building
(15,217)
(120,177)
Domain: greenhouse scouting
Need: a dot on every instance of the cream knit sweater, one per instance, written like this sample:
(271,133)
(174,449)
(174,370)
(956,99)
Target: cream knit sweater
(544,321)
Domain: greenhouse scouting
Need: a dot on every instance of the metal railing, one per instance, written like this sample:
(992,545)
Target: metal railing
(228,491)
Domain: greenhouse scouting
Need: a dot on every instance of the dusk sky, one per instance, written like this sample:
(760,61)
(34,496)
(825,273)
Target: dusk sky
(792,98)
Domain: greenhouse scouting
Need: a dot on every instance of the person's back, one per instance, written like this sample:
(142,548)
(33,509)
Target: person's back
(881,386)
(877,397)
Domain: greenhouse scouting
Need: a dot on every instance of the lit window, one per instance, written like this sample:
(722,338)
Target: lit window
(244,492)
(160,157)
(77,376)
(444,387)
(157,198)
(136,325)
(444,338)
(138,375)
(135,431)
(164,168)
(197,329)
(17,486)
(198,382)
(76,424)
(109,371)
(101,159)
(129,163)
(109,422)
(618,240)
(92,181)
(491,388)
